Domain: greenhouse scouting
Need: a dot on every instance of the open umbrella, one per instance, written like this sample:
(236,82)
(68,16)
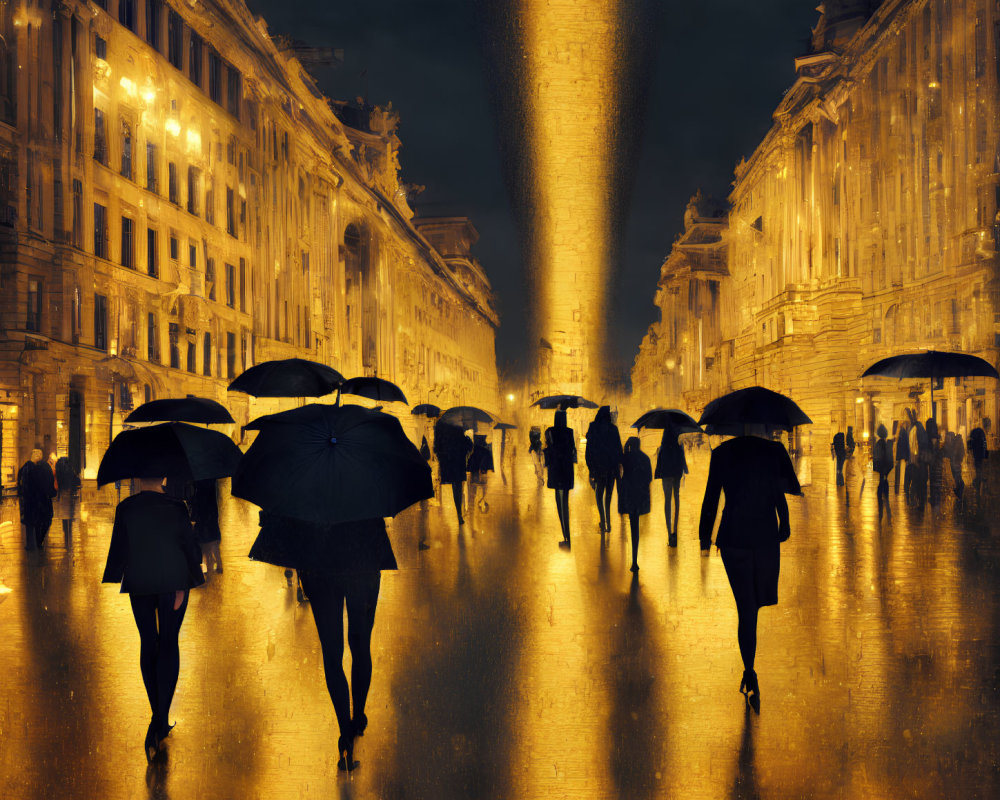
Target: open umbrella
(181,409)
(754,405)
(932,364)
(564,401)
(504,426)
(661,418)
(465,416)
(290,377)
(426,410)
(330,464)
(173,449)
(377,389)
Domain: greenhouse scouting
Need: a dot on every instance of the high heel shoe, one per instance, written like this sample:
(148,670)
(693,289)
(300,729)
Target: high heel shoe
(750,689)
(345,750)
(152,743)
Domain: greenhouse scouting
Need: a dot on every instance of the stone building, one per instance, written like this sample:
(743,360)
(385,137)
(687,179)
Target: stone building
(178,201)
(863,225)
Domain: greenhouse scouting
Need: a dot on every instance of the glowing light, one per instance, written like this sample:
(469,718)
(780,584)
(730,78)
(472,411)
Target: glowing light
(149,95)
(573,71)
(510,398)
(173,127)
(128,85)
(193,140)
(859,399)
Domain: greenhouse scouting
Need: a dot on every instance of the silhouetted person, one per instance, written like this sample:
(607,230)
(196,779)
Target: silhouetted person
(205,515)
(637,474)
(955,453)
(535,452)
(67,486)
(920,457)
(671,466)
(560,456)
(980,452)
(603,455)
(934,462)
(838,448)
(882,465)
(902,452)
(480,462)
(154,554)
(849,441)
(340,565)
(754,474)
(452,448)
(36,487)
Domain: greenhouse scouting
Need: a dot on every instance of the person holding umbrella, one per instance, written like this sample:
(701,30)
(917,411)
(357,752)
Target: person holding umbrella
(603,455)
(452,448)
(633,490)
(560,456)
(671,466)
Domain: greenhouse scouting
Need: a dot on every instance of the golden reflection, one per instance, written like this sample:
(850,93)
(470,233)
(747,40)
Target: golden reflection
(573,70)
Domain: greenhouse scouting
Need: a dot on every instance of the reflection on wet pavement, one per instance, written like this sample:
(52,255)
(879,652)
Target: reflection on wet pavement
(506,667)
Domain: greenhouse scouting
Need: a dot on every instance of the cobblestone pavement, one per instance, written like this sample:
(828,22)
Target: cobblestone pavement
(506,667)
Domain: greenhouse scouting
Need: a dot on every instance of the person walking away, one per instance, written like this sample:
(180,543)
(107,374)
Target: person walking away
(452,448)
(977,446)
(560,456)
(849,441)
(340,565)
(637,474)
(902,453)
(882,465)
(671,467)
(603,455)
(205,515)
(480,462)
(955,452)
(156,558)
(67,489)
(919,460)
(838,449)
(934,462)
(36,486)
(535,452)
(754,474)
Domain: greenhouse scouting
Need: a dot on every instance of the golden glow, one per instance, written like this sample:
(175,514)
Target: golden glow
(572,73)
(173,127)
(129,86)
(193,141)
(149,95)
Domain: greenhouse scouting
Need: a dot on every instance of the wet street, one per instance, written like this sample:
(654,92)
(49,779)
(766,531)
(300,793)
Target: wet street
(506,667)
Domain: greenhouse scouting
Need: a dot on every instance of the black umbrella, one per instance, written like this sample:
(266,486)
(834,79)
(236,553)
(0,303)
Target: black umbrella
(504,426)
(173,449)
(290,377)
(932,364)
(564,401)
(330,464)
(377,389)
(426,410)
(662,418)
(754,405)
(465,416)
(181,409)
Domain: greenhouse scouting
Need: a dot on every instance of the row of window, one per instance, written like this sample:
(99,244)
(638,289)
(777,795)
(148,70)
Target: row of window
(197,48)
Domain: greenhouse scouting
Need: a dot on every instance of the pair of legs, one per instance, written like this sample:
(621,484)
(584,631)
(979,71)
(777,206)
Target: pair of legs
(672,491)
(159,625)
(604,485)
(536,459)
(882,495)
(562,509)
(633,524)
(477,493)
(210,555)
(36,532)
(456,493)
(899,469)
(840,469)
(329,593)
(956,474)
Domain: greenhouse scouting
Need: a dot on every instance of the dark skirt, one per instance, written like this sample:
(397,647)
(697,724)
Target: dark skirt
(561,474)
(753,574)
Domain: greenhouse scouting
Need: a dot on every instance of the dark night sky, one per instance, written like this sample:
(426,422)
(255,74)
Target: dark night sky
(721,67)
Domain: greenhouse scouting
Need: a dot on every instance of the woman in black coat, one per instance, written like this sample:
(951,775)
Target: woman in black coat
(153,553)
(671,466)
(633,489)
(603,455)
(339,564)
(560,456)
(452,448)
(755,474)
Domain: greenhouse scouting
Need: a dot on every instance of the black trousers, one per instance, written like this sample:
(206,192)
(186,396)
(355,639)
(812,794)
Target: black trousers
(328,592)
(159,655)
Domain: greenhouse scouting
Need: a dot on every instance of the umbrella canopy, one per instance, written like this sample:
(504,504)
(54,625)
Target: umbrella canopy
(181,409)
(504,426)
(290,377)
(173,449)
(426,410)
(465,416)
(754,405)
(330,464)
(564,401)
(377,389)
(932,364)
(662,418)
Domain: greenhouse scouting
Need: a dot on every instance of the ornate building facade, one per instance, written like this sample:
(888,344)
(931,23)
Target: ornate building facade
(178,201)
(865,224)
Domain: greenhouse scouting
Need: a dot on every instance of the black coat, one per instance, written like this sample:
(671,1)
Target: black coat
(361,546)
(633,487)
(603,453)
(755,475)
(205,511)
(452,448)
(670,461)
(153,548)
(36,486)
(560,456)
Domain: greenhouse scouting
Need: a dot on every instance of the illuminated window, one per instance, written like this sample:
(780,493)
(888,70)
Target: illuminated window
(195,59)
(175,39)
(100,231)
(100,322)
(128,243)
(152,262)
(33,322)
(100,138)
